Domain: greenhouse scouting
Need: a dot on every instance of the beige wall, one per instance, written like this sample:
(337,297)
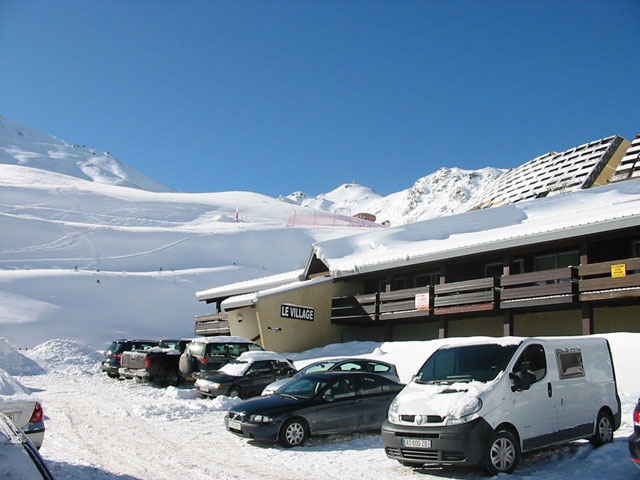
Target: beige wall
(469,327)
(297,335)
(616,319)
(567,322)
(243,322)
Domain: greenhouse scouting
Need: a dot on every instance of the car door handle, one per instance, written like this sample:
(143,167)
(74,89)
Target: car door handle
(549,390)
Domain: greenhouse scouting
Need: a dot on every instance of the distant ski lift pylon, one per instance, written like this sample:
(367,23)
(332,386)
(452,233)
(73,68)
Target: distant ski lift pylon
(327,219)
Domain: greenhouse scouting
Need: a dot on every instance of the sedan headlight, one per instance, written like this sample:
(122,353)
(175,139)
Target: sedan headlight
(470,412)
(392,415)
(260,419)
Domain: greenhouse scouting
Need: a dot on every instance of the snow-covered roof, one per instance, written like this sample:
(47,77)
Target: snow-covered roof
(588,211)
(253,297)
(221,339)
(249,286)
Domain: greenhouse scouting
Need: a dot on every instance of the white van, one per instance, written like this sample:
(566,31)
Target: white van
(485,402)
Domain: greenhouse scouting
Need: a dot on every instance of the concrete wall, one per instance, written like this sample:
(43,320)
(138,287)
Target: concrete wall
(567,322)
(415,331)
(616,319)
(243,322)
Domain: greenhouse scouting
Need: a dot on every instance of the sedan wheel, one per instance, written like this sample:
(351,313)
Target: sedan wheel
(293,433)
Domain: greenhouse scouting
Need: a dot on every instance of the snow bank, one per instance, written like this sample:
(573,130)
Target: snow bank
(15,363)
(11,389)
(66,356)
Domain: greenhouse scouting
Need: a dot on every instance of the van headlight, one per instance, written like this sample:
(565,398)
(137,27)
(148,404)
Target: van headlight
(470,412)
(392,415)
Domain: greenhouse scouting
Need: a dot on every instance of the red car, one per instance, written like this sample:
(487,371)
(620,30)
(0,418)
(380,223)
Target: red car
(634,439)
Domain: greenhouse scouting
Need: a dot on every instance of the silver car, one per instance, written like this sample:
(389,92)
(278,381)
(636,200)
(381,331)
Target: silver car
(340,364)
(18,457)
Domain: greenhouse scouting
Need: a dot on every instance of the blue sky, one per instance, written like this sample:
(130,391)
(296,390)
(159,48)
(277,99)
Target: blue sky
(277,96)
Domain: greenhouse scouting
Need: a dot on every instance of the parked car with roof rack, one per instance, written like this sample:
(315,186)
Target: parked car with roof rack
(246,376)
(340,364)
(113,353)
(157,364)
(18,456)
(210,353)
(316,403)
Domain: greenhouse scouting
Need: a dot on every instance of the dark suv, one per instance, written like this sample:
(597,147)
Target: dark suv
(211,353)
(634,439)
(113,354)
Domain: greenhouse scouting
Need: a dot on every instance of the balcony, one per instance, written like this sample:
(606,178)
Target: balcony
(539,289)
(382,306)
(614,280)
(468,296)
(210,325)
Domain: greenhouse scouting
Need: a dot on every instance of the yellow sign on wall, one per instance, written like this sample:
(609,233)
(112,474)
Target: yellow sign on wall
(618,271)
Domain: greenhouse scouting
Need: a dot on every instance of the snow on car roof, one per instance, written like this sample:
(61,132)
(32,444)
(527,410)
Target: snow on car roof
(222,339)
(267,355)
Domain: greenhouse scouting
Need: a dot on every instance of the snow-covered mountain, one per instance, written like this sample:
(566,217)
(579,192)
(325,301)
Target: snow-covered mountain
(445,192)
(78,223)
(26,146)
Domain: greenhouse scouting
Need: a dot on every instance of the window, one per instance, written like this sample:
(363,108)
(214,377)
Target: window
(343,388)
(351,366)
(636,248)
(570,363)
(493,269)
(377,367)
(532,361)
(369,386)
(260,368)
(428,278)
(556,260)
(399,283)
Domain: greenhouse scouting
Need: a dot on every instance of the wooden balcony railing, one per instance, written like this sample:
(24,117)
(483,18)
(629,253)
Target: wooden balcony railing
(214,324)
(468,296)
(548,287)
(378,306)
(616,279)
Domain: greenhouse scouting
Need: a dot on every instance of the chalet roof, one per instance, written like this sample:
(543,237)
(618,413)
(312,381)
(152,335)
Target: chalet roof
(553,173)
(570,215)
(248,286)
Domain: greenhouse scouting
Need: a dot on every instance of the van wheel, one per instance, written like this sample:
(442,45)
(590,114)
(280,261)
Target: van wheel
(293,433)
(502,454)
(604,429)
(234,392)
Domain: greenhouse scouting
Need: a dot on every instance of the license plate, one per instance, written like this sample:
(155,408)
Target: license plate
(235,425)
(416,442)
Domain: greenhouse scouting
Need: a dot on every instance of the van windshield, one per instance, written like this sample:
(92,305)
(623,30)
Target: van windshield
(481,363)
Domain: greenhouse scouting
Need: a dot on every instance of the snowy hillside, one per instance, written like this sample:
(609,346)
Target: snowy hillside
(445,192)
(22,145)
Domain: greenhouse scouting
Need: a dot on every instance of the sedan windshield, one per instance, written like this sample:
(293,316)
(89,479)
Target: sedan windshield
(304,387)
(465,364)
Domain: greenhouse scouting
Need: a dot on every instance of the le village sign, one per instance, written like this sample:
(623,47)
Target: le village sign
(295,311)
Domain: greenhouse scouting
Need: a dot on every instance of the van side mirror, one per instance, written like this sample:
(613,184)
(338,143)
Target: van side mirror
(521,381)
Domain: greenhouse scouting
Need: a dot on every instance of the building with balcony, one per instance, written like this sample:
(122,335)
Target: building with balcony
(565,264)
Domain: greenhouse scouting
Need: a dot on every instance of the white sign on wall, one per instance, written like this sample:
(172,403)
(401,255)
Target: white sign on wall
(422,301)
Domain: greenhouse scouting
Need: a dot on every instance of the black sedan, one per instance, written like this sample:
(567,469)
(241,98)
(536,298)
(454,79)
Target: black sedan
(316,403)
(634,439)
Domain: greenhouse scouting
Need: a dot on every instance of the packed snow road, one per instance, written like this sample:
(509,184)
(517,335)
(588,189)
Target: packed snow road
(101,428)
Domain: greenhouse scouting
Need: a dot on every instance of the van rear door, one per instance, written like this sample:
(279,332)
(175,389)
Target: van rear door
(577,410)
